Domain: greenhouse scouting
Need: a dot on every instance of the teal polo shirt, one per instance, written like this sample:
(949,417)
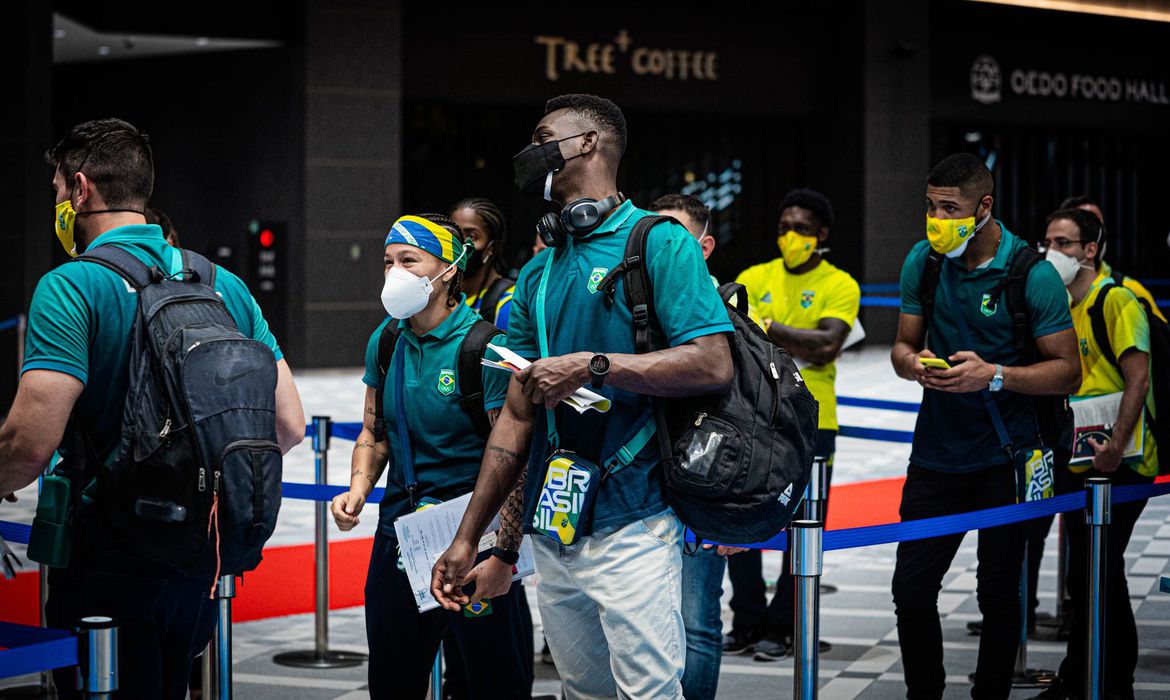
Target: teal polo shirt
(447,451)
(80,319)
(579,320)
(954,432)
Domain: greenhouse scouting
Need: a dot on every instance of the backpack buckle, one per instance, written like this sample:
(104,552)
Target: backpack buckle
(641,315)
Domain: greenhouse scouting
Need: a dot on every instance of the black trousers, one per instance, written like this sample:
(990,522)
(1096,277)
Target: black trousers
(751,611)
(164,617)
(1120,640)
(403,642)
(921,565)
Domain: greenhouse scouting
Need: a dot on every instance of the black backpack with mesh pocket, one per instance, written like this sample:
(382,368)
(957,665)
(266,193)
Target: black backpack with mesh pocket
(735,465)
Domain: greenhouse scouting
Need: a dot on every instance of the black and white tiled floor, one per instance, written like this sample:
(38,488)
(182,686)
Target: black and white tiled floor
(858,619)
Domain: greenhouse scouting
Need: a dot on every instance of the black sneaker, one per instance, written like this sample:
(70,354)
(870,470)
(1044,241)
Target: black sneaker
(771,650)
(740,642)
(546,655)
(822,645)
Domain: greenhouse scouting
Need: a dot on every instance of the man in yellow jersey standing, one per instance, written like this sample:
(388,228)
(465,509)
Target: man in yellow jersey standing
(1115,367)
(808,306)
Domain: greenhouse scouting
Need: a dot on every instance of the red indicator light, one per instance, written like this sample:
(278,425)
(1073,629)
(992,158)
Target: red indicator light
(266,238)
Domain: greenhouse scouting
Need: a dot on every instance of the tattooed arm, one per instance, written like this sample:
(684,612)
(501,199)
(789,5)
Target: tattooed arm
(502,464)
(366,466)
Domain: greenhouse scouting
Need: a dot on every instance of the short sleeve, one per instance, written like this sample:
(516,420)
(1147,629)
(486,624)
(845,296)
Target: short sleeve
(911,278)
(521,324)
(1047,300)
(245,310)
(372,375)
(685,302)
(844,301)
(750,279)
(495,381)
(1125,318)
(58,328)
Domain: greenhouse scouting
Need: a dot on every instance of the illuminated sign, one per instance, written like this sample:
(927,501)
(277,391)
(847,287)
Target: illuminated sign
(621,56)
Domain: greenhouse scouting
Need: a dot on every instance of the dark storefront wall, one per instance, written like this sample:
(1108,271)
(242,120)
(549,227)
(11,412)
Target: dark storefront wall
(776,117)
(1017,91)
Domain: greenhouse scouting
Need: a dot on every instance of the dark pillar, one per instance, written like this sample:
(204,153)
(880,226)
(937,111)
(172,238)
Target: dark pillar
(897,143)
(26,51)
(353,179)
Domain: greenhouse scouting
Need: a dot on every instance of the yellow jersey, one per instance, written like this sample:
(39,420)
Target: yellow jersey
(1136,287)
(801,301)
(1128,329)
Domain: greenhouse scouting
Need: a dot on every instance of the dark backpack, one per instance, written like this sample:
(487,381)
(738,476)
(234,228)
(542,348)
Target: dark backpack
(736,465)
(1054,415)
(470,375)
(198,465)
(1159,363)
(491,298)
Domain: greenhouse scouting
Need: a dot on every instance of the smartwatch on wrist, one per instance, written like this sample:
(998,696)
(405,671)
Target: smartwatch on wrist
(506,555)
(598,368)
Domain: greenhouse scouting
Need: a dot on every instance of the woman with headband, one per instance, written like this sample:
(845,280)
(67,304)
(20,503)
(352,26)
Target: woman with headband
(414,418)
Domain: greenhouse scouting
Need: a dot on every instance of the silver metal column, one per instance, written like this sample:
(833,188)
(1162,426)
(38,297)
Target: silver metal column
(1098,506)
(320,656)
(207,673)
(223,636)
(804,544)
(437,675)
(97,669)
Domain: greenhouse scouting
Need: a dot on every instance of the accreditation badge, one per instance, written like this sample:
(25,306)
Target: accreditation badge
(564,508)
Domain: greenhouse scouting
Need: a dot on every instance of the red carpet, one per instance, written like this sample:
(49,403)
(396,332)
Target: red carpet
(283,583)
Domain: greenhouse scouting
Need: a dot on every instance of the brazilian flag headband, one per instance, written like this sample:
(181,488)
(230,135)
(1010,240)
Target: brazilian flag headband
(431,237)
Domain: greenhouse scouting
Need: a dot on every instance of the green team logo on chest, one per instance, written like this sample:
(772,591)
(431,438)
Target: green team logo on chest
(446,383)
(806,298)
(595,278)
(988,306)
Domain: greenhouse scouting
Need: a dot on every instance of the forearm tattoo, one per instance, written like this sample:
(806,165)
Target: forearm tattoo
(512,514)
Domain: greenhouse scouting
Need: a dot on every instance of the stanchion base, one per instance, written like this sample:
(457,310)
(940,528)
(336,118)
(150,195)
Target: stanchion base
(311,659)
(828,588)
(1033,678)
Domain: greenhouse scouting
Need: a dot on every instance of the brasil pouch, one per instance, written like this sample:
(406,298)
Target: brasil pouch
(568,491)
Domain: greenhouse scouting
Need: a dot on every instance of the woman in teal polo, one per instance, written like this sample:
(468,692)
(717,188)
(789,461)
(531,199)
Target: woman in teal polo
(434,450)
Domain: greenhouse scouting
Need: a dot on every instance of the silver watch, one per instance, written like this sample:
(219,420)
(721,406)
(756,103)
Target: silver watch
(996,381)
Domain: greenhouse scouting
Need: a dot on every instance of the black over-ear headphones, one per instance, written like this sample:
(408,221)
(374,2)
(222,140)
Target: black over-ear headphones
(578,218)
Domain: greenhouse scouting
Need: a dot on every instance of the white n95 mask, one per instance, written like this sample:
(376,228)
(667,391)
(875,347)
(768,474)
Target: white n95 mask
(405,294)
(1066,265)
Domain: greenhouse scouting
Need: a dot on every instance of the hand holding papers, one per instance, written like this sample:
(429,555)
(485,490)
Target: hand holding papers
(581,400)
(1094,417)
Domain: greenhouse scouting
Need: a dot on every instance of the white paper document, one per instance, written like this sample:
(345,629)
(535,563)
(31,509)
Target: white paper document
(1094,417)
(424,535)
(581,400)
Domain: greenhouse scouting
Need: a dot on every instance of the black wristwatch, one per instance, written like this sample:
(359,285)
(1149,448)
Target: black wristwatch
(598,367)
(508,556)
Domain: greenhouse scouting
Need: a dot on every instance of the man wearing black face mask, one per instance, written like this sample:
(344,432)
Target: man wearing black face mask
(610,573)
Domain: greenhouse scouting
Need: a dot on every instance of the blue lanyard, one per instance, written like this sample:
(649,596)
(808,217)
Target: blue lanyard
(542,334)
(407,453)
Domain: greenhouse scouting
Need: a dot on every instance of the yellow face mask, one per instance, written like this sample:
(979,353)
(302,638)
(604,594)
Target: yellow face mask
(63,227)
(950,237)
(795,248)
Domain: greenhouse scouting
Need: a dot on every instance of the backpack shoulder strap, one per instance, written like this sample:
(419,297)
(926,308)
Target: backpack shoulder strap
(735,294)
(386,342)
(1015,288)
(471,374)
(636,277)
(487,304)
(1097,323)
(928,283)
(202,268)
(130,268)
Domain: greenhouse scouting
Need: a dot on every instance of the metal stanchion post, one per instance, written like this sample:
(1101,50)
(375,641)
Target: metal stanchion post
(97,668)
(223,636)
(816,498)
(1025,677)
(1061,568)
(207,673)
(321,656)
(804,543)
(1098,508)
(437,675)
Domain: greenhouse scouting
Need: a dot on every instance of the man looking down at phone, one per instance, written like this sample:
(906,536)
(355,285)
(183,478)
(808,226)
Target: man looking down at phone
(977,417)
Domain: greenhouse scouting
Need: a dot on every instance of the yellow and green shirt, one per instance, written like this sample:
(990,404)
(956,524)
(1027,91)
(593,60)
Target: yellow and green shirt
(801,301)
(1128,329)
(1136,287)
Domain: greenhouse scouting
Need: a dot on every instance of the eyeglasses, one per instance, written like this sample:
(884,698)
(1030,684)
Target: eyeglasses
(1060,244)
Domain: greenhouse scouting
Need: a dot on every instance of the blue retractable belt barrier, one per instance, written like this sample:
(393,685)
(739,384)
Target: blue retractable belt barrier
(15,532)
(883,404)
(34,649)
(320,492)
(893,302)
(9,323)
(881,287)
(883,434)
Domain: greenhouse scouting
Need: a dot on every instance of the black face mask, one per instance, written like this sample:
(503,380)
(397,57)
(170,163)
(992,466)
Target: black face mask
(476,261)
(536,163)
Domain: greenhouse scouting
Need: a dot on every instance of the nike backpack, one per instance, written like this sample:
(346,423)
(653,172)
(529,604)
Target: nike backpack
(195,482)
(735,464)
